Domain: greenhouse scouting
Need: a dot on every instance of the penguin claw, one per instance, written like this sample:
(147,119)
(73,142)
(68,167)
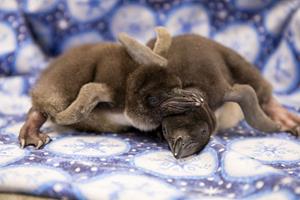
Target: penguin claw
(22,143)
(48,139)
(39,145)
(295,131)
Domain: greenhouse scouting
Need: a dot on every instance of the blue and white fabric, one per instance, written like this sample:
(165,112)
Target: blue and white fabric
(240,163)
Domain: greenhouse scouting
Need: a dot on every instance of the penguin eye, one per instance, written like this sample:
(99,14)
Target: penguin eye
(153,100)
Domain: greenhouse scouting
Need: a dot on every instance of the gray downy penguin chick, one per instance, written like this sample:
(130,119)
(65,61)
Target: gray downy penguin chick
(105,87)
(229,84)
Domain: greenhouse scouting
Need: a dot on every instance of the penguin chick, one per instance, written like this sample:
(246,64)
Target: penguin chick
(233,88)
(223,76)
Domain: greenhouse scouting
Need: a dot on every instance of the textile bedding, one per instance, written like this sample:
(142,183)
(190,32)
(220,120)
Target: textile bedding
(239,163)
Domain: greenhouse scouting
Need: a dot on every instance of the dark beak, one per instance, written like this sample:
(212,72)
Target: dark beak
(177,147)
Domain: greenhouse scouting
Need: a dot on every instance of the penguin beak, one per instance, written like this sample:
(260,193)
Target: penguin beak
(177,147)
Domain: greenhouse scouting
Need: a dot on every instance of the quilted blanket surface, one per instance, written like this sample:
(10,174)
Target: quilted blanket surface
(239,163)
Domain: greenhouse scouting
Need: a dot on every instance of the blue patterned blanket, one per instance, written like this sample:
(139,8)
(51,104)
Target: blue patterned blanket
(239,163)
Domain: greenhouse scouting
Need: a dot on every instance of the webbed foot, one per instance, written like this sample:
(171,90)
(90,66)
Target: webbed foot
(30,132)
(289,121)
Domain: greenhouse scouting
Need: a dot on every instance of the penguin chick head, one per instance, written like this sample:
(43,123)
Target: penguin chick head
(152,90)
(189,133)
(148,88)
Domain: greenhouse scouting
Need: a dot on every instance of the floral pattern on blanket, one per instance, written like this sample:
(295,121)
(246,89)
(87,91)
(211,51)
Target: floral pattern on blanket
(239,163)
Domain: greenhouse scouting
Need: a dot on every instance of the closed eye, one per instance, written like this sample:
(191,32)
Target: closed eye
(191,145)
(153,101)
